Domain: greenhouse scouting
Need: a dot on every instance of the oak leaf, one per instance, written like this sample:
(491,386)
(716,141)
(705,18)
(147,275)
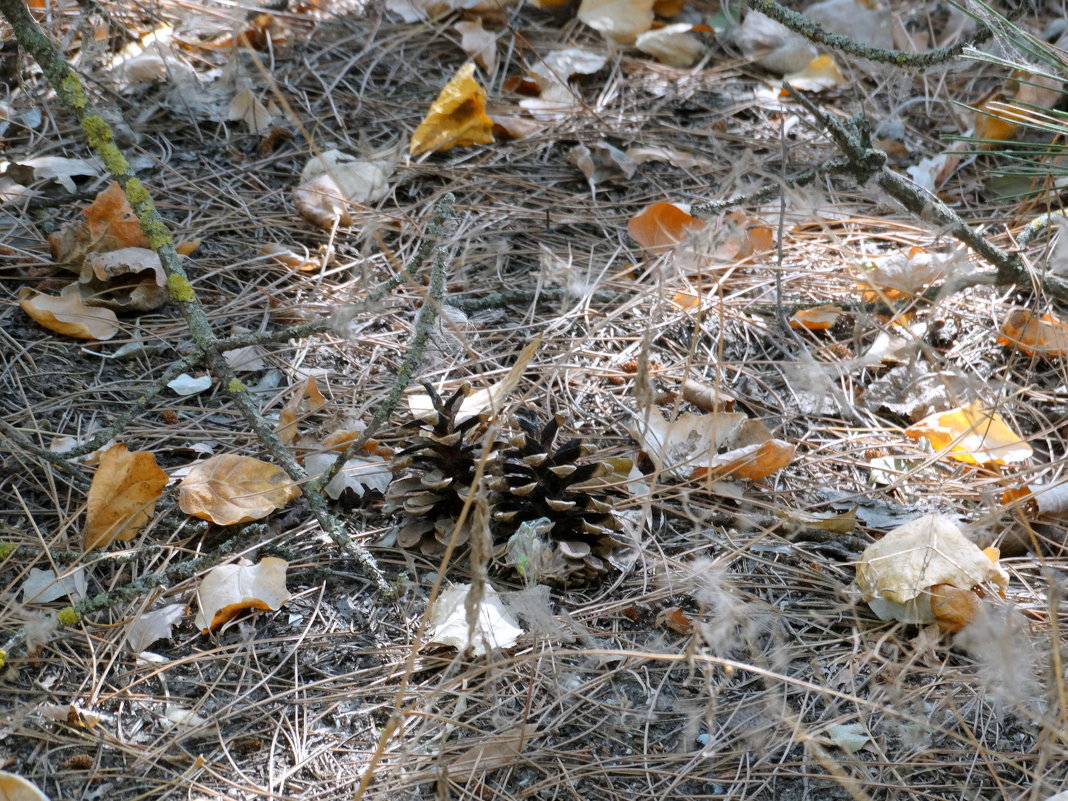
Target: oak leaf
(68,314)
(227,590)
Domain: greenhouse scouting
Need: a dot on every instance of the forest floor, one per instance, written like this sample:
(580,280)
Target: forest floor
(727,654)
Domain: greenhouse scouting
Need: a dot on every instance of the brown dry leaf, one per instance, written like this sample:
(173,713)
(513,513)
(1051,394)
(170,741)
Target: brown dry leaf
(15,788)
(897,574)
(818,318)
(109,224)
(232,489)
(973,435)
(662,226)
(621,20)
(492,753)
(122,496)
(305,394)
(676,620)
(125,279)
(227,590)
(457,118)
(69,315)
(1036,336)
(668,8)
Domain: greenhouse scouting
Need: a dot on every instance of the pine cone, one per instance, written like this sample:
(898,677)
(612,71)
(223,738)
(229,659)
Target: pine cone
(540,481)
(434,475)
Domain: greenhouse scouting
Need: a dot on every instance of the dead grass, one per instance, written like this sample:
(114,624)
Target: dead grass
(601,702)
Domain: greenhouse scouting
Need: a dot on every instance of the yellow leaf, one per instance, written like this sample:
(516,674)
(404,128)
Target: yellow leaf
(819,74)
(973,435)
(68,314)
(122,496)
(1036,336)
(457,118)
(229,589)
(233,489)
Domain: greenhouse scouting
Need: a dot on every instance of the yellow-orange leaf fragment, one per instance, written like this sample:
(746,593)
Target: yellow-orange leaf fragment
(15,788)
(661,226)
(457,118)
(122,496)
(69,315)
(1036,336)
(953,608)
(972,435)
(229,589)
(231,489)
(819,318)
(307,395)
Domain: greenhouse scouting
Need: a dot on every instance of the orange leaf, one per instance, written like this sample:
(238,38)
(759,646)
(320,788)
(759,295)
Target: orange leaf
(229,589)
(109,224)
(12,786)
(457,118)
(973,435)
(1036,336)
(661,226)
(818,318)
(287,418)
(122,496)
(68,314)
(233,489)
(676,620)
(684,300)
(752,462)
(953,607)
(668,8)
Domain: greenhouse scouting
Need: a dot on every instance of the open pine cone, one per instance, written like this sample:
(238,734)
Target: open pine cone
(540,481)
(434,475)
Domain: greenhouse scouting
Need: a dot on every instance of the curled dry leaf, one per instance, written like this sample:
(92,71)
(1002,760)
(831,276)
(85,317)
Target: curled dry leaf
(109,224)
(152,626)
(68,314)
(1044,336)
(973,435)
(910,573)
(818,318)
(478,43)
(495,626)
(122,496)
(602,163)
(332,181)
(231,489)
(621,20)
(53,168)
(305,394)
(124,279)
(227,590)
(457,118)
(674,45)
(707,397)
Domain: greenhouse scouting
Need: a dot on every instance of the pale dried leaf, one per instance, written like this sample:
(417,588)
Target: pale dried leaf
(478,43)
(621,20)
(185,385)
(673,45)
(909,560)
(227,590)
(61,170)
(491,753)
(690,444)
(153,626)
(42,586)
(495,628)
